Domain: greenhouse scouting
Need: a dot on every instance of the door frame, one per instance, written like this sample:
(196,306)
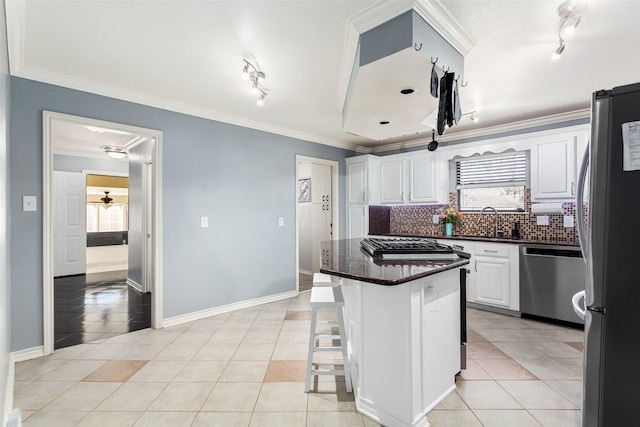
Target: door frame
(48,117)
(335,203)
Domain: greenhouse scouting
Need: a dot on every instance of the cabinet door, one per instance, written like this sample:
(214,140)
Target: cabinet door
(422,180)
(320,183)
(492,281)
(356,182)
(357,221)
(553,169)
(392,181)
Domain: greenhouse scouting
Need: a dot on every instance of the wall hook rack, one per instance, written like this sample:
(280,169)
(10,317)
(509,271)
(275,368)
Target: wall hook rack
(415,46)
(434,62)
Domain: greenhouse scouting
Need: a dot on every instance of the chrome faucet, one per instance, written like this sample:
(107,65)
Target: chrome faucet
(489,208)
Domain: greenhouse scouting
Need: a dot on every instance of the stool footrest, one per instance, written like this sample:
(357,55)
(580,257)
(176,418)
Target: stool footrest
(328,372)
(327,349)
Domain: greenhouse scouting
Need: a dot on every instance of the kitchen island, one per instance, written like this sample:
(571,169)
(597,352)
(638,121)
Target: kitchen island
(404,333)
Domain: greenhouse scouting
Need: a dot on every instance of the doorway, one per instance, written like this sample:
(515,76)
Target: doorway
(316,214)
(68,140)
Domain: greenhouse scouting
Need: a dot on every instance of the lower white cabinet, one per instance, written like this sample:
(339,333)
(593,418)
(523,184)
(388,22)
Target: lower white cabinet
(494,277)
(357,221)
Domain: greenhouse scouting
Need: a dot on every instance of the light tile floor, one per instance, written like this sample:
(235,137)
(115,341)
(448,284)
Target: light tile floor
(246,368)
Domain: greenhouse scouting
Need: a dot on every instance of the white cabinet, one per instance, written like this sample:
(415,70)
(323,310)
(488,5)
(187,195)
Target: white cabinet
(363,175)
(357,221)
(423,180)
(362,180)
(553,168)
(494,276)
(392,181)
(409,180)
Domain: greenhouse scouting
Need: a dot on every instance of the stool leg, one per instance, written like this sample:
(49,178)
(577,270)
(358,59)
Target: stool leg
(343,346)
(312,341)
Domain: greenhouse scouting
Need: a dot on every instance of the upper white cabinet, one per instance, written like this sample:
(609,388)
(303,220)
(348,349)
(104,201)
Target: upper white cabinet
(392,181)
(423,180)
(409,180)
(554,167)
(362,178)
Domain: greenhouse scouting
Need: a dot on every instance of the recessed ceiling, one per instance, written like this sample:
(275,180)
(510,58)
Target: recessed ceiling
(187,57)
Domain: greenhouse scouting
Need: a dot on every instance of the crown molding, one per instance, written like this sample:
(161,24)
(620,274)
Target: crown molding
(124,95)
(439,18)
(14,11)
(490,131)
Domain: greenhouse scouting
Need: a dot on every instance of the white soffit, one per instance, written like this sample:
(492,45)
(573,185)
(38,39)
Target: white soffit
(431,11)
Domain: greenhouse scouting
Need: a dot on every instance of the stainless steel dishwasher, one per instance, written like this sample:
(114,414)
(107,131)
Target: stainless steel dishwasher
(549,276)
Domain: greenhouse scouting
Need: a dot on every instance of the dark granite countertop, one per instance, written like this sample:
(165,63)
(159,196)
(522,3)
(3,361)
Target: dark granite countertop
(486,239)
(346,258)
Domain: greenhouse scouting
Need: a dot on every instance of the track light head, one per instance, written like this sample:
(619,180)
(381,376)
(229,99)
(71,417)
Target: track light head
(558,51)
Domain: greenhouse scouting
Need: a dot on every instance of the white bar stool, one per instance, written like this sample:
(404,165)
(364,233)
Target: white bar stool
(321,279)
(327,296)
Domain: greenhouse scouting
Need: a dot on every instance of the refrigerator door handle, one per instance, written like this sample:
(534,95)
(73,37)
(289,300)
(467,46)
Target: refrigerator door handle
(577,307)
(582,232)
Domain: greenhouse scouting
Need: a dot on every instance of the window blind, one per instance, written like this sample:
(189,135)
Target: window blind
(492,171)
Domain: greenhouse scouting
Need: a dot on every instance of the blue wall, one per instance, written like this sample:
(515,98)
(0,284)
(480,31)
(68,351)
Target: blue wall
(242,179)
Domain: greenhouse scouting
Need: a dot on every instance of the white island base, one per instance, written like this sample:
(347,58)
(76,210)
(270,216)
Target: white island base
(403,346)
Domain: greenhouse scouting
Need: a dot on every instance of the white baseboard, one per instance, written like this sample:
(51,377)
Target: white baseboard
(305,272)
(197,315)
(135,285)
(15,357)
(26,354)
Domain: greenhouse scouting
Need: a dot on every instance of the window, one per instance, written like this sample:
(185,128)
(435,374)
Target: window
(101,218)
(492,180)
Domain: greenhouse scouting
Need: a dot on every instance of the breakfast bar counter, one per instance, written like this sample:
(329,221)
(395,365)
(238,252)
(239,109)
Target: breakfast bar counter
(404,327)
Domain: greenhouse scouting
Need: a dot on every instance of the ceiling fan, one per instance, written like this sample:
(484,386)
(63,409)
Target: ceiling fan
(107,200)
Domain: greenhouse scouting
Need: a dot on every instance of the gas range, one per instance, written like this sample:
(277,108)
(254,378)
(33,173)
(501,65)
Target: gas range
(404,246)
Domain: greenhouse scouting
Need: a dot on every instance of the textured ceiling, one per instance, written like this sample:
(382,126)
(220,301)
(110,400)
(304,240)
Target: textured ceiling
(187,56)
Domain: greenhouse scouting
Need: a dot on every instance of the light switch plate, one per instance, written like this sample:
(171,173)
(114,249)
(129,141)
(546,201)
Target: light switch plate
(568,221)
(204,221)
(436,219)
(29,204)
(542,220)
(280,222)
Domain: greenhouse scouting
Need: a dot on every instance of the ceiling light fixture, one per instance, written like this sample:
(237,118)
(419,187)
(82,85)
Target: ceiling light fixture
(570,12)
(107,200)
(117,153)
(474,118)
(253,74)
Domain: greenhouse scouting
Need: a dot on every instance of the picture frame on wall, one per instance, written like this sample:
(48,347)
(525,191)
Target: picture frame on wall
(304,190)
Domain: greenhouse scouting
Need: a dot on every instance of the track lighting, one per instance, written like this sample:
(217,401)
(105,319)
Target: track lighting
(559,50)
(256,77)
(474,118)
(570,12)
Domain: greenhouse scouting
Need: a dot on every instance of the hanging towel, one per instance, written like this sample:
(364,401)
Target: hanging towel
(434,81)
(449,99)
(457,112)
(442,105)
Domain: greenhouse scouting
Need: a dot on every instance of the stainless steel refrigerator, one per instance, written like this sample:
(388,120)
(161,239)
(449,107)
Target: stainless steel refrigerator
(611,246)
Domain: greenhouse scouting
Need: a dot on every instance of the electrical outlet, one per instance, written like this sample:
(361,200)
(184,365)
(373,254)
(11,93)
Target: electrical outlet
(204,221)
(436,219)
(542,220)
(568,221)
(280,222)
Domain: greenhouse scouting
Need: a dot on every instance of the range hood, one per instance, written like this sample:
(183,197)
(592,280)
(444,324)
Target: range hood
(388,94)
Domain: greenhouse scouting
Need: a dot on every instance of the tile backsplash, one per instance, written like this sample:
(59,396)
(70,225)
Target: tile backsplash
(416,220)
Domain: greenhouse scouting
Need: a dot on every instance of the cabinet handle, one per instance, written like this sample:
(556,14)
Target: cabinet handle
(572,188)
(402,196)
(490,252)
(363,199)
(409,195)
(475,266)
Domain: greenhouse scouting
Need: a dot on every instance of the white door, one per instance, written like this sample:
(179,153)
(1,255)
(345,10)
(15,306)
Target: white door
(321,201)
(69,224)
(147,265)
